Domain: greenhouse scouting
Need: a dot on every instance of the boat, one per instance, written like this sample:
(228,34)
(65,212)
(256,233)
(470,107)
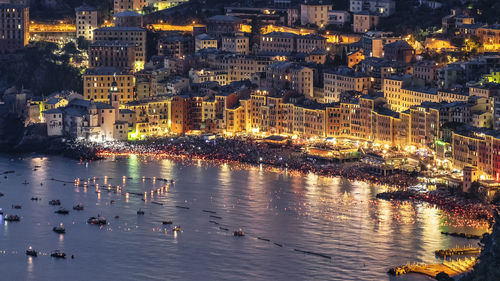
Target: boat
(59,229)
(35,199)
(1,211)
(58,254)
(98,221)
(1,194)
(31,252)
(239,233)
(25,181)
(166,222)
(12,218)
(78,207)
(16,207)
(54,202)
(140,212)
(62,211)
(176,228)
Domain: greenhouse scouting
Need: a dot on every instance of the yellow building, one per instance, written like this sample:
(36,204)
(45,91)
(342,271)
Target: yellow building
(97,82)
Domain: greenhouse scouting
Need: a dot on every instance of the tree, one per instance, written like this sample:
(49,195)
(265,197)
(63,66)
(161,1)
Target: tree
(83,44)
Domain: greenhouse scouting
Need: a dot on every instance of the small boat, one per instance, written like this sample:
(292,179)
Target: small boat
(140,212)
(59,229)
(176,228)
(58,254)
(98,221)
(54,202)
(26,182)
(1,211)
(1,194)
(31,252)
(78,207)
(172,181)
(16,207)
(12,218)
(239,233)
(117,217)
(166,222)
(35,199)
(62,211)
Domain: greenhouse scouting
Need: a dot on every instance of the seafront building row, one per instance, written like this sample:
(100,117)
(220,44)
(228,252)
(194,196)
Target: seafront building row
(294,76)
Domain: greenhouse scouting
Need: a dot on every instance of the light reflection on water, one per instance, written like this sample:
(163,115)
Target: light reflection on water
(364,236)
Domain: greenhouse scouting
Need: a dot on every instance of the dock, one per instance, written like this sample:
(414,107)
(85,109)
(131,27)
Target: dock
(458,251)
(452,267)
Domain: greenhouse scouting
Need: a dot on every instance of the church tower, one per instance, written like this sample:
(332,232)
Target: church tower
(114,97)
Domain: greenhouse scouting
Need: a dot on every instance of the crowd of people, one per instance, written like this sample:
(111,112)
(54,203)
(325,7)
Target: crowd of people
(250,151)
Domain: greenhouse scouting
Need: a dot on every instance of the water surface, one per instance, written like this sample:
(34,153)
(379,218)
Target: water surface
(342,219)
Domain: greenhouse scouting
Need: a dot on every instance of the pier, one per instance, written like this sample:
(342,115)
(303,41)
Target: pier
(458,251)
(452,267)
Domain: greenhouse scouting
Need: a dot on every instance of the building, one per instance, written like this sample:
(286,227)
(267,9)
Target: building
(338,17)
(54,120)
(314,12)
(425,70)
(399,51)
(373,42)
(134,35)
(125,5)
(14,27)
(403,92)
(86,22)
(116,54)
(128,19)
(288,75)
(98,81)
(204,75)
(336,82)
(221,25)
(287,42)
(353,58)
(365,21)
(236,44)
(489,35)
(204,41)
(177,46)
(384,8)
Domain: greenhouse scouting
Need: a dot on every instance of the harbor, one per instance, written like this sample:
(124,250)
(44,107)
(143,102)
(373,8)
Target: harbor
(282,216)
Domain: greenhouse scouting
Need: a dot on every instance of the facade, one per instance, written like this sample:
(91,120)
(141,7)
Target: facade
(98,81)
(133,35)
(402,92)
(204,41)
(236,44)
(399,51)
(221,25)
(176,46)
(286,42)
(116,54)
(425,70)
(365,21)
(489,35)
(287,75)
(343,80)
(338,17)
(384,8)
(128,19)
(314,12)
(14,32)
(126,5)
(86,22)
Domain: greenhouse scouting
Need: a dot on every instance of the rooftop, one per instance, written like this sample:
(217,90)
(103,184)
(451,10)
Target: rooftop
(120,28)
(128,14)
(84,7)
